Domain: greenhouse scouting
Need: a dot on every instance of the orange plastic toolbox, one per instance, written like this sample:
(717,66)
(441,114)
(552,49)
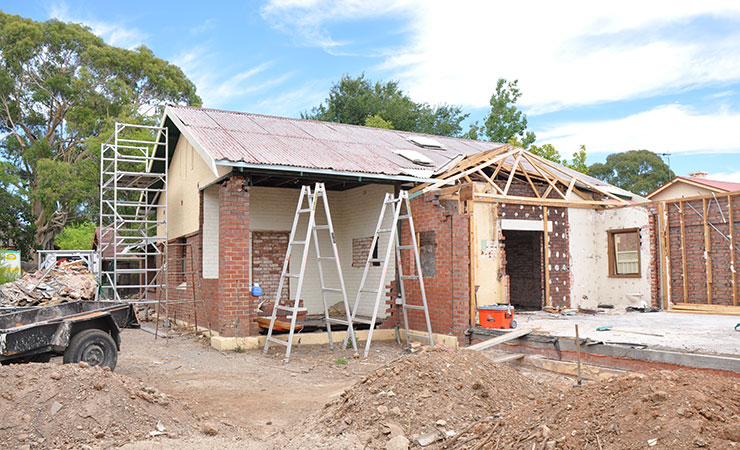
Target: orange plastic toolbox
(497,316)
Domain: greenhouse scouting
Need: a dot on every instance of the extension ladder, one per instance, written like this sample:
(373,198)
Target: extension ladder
(396,204)
(312,230)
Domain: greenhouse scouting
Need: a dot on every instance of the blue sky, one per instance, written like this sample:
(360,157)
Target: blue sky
(663,76)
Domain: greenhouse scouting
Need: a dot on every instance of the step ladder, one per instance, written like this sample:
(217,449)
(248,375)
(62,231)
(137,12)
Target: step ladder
(312,233)
(396,205)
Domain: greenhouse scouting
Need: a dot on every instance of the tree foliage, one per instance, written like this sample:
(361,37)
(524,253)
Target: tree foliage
(61,90)
(16,222)
(76,236)
(505,122)
(360,101)
(638,171)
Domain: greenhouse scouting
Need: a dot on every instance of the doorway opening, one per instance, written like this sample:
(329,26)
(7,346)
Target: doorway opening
(524,268)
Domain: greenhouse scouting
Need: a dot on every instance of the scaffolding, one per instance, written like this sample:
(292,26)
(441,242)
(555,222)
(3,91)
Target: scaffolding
(133,215)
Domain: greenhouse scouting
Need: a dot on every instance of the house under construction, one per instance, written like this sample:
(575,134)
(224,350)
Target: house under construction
(494,223)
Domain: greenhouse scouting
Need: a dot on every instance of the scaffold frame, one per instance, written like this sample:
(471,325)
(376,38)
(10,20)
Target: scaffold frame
(133,239)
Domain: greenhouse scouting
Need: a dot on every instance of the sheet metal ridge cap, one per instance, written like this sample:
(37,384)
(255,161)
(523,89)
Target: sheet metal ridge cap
(380,176)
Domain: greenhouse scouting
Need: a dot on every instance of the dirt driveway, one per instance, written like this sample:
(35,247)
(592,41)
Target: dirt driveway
(254,394)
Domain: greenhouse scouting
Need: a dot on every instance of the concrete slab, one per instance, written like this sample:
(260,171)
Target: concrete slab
(699,333)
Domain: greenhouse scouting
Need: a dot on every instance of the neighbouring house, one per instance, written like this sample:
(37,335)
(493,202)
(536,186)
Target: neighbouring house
(695,184)
(496,224)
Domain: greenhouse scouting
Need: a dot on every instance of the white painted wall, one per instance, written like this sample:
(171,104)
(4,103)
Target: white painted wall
(354,215)
(589,260)
(210,232)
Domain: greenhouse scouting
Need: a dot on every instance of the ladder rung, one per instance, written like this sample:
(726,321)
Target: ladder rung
(331,290)
(290,308)
(374,260)
(293,275)
(403,216)
(326,258)
(298,243)
(277,341)
(421,308)
(384,230)
(406,247)
(410,277)
(321,227)
(304,210)
(395,200)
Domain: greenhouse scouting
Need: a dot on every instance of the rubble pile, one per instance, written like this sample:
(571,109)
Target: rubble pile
(77,406)
(428,397)
(67,282)
(677,409)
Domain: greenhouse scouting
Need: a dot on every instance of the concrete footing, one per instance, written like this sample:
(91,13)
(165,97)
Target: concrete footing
(223,343)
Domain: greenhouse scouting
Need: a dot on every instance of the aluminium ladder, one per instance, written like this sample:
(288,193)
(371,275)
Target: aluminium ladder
(396,205)
(311,234)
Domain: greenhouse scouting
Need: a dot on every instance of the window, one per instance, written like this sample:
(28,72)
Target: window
(624,253)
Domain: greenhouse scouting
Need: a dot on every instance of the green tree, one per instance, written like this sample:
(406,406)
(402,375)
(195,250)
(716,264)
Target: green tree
(61,90)
(505,121)
(16,222)
(376,121)
(355,100)
(638,171)
(76,236)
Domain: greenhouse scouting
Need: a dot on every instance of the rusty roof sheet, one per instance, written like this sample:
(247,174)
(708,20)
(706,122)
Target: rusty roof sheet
(267,140)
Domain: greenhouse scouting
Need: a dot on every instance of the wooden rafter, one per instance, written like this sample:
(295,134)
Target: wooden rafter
(511,162)
(512,173)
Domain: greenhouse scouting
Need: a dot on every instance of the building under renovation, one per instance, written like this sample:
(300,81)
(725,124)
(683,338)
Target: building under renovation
(494,224)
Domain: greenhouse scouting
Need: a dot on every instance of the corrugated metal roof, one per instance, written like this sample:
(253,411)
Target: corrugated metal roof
(257,139)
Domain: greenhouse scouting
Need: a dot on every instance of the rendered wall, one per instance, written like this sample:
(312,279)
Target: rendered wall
(186,175)
(589,260)
(354,215)
(678,190)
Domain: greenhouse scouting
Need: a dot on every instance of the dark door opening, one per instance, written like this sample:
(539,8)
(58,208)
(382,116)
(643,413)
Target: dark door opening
(524,268)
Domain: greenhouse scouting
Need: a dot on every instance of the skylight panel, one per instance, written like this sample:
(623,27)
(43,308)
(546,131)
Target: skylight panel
(426,142)
(415,157)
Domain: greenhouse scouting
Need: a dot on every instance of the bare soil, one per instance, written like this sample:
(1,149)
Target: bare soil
(205,399)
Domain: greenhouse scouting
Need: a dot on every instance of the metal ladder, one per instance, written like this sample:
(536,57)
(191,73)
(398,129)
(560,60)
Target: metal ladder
(397,204)
(311,234)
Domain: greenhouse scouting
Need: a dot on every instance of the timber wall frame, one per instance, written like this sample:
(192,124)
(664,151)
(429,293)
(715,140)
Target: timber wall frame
(699,253)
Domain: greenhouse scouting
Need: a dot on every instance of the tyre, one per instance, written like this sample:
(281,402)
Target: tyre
(95,347)
(513,324)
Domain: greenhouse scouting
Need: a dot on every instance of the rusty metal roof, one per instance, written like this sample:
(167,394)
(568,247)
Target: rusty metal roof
(231,138)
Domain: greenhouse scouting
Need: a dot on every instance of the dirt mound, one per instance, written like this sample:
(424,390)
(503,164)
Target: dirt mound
(660,409)
(69,406)
(434,393)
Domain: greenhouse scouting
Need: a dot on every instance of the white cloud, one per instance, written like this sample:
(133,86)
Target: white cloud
(307,19)
(287,103)
(725,176)
(216,87)
(564,54)
(668,128)
(116,34)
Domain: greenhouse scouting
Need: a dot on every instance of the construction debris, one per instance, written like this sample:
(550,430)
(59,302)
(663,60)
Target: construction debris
(66,282)
(78,406)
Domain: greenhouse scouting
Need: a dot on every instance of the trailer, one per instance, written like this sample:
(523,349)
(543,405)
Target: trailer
(79,331)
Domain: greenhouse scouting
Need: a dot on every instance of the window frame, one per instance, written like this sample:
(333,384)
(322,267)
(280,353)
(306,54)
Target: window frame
(612,254)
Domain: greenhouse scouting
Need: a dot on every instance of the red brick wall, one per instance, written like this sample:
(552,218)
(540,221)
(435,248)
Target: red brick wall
(268,255)
(235,306)
(719,254)
(360,251)
(448,292)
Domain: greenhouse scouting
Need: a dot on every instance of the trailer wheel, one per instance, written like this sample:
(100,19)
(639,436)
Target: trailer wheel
(95,347)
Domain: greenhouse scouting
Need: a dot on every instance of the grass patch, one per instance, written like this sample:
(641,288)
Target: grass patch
(340,361)
(240,349)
